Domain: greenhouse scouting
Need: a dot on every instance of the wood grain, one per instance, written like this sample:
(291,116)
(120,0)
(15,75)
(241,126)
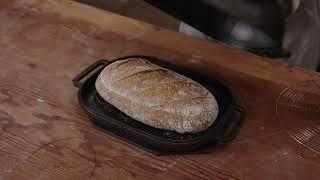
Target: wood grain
(44,134)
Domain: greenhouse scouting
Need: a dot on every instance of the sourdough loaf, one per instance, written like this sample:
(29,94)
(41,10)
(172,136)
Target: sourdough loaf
(156,96)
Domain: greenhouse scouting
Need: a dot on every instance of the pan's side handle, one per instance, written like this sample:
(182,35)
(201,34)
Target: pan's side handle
(77,80)
(235,131)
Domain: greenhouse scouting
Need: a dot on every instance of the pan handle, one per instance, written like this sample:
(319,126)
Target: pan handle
(234,132)
(76,81)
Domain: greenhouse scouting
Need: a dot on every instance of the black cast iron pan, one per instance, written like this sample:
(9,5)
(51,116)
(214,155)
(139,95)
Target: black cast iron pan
(158,141)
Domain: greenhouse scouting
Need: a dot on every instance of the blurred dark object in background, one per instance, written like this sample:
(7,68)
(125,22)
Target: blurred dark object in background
(301,36)
(136,9)
(255,26)
(291,24)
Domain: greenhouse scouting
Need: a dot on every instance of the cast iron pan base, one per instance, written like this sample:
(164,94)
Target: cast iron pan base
(154,140)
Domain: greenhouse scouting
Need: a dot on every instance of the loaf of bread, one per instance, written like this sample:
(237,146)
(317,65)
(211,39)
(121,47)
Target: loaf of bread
(156,96)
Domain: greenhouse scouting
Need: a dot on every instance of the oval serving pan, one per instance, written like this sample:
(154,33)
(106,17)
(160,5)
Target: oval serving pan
(158,141)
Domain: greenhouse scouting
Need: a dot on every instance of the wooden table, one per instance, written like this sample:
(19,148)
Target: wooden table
(44,134)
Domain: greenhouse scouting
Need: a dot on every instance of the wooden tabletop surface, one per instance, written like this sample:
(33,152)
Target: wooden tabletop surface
(44,134)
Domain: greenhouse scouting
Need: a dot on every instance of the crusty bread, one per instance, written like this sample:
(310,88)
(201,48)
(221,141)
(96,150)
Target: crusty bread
(156,96)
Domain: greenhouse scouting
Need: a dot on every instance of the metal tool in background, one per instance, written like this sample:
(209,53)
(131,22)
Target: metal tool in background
(298,112)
